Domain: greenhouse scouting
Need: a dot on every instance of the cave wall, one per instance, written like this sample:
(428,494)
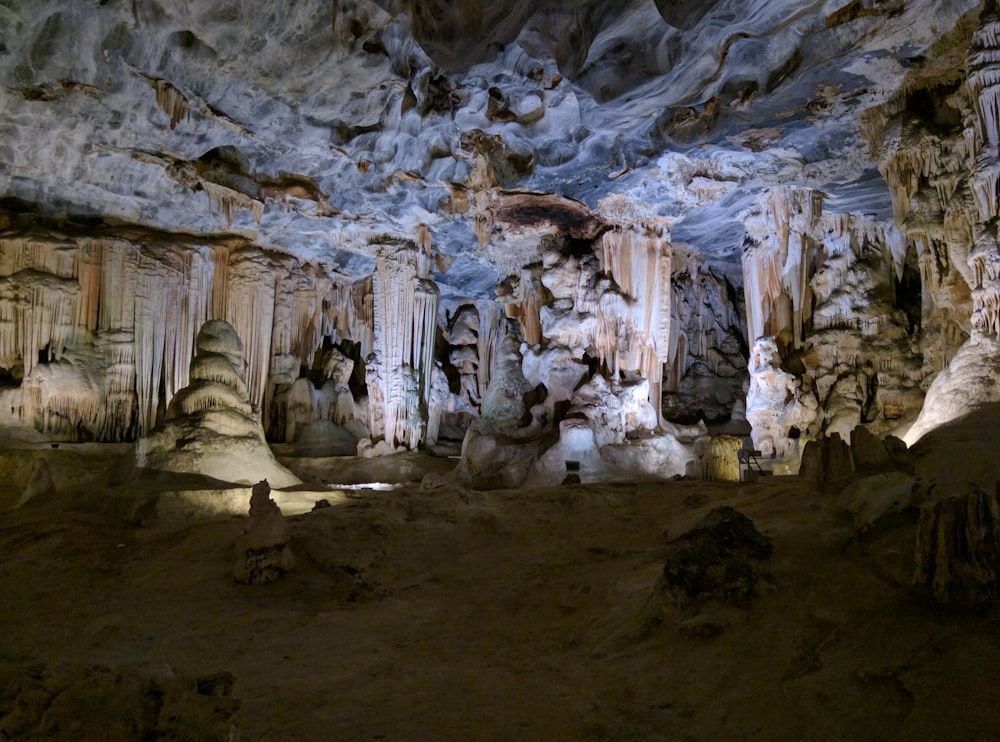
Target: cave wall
(938,147)
(706,373)
(839,295)
(97,332)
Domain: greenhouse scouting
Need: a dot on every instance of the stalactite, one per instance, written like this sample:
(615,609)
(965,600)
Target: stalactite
(492,330)
(130,314)
(777,269)
(984,258)
(349,313)
(633,323)
(984,78)
(230,201)
(37,314)
(250,303)
(524,304)
(172,101)
(405,327)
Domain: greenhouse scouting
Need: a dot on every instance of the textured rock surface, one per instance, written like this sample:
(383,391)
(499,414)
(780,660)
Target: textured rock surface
(719,558)
(262,552)
(638,192)
(958,550)
(64,701)
(719,457)
(827,464)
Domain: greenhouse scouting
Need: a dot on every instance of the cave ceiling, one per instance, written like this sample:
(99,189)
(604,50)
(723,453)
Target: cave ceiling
(324,128)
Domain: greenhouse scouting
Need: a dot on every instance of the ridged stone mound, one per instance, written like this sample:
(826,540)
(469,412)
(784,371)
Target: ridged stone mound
(211,427)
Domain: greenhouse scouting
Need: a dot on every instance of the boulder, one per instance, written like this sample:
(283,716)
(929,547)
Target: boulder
(719,558)
(827,464)
(96,702)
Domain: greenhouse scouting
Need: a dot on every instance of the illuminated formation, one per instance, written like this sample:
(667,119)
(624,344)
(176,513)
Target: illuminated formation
(428,232)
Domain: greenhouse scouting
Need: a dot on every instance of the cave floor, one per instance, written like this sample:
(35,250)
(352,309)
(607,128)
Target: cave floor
(447,614)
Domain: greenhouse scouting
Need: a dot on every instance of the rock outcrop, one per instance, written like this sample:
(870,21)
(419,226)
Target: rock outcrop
(958,550)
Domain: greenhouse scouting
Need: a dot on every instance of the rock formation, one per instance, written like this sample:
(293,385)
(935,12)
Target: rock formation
(958,550)
(720,460)
(262,552)
(211,428)
(719,558)
(72,701)
(778,409)
(375,207)
(827,464)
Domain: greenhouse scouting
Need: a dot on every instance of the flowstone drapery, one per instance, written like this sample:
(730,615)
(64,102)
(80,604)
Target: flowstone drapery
(837,297)
(96,333)
(970,379)
(405,315)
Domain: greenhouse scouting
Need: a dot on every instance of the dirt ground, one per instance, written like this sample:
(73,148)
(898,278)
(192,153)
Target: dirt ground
(438,613)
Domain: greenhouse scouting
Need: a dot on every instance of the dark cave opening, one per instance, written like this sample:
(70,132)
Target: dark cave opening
(909,290)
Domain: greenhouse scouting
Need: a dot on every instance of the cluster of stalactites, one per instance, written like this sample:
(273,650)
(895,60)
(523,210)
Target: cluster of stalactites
(776,270)
(230,201)
(984,79)
(984,258)
(172,102)
(633,323)
(128,316)
(405,323)
(523,302)
(779,270)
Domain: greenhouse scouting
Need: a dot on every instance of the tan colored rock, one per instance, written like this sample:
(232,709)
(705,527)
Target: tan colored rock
(211,428)
(262,552)
(827,464)
(958,550)
(720,458)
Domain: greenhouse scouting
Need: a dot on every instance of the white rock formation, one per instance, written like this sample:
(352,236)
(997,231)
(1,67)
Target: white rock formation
(776,402)
(211,428)
(405,316)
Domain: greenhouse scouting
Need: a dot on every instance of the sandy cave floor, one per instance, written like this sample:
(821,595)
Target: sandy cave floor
(447,614)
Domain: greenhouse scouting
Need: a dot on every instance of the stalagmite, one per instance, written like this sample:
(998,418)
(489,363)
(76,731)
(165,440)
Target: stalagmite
(719,457)
(211,428)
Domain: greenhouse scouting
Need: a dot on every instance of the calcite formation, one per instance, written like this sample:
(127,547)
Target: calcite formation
(395,204)
(211,427)
(262,551)
(958,550)
(720,458)
(779,410)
